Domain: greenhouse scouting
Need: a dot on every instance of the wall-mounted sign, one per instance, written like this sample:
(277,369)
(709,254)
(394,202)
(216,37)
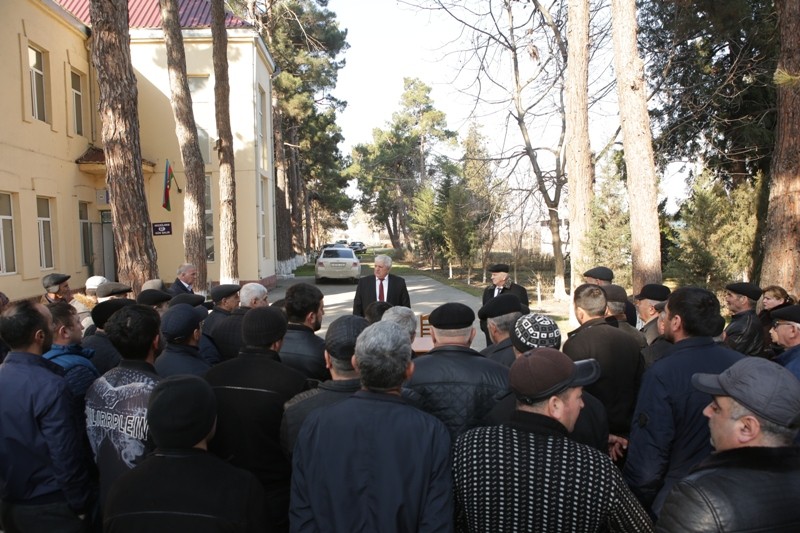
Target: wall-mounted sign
(162,228)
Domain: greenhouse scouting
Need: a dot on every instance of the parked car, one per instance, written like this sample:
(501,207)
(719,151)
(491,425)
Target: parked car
(337,263)
(358,247)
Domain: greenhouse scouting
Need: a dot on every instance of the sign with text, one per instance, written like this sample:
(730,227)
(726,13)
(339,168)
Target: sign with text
(162,228)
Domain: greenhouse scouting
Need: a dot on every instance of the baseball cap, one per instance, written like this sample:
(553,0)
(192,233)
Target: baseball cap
(543,372)
(765,388)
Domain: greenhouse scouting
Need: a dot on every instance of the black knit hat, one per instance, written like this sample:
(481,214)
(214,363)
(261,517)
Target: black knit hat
(103,311)
(261,326)
(181,411)
(340,340)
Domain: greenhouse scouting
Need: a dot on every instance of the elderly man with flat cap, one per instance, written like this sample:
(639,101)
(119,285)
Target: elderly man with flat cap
(227,334)
(744,334)
(340,345)
(752,481)
(155,298)
(500,315)
(527,475)
(501,284)
(455,383)
(646,301)
(180,486)
(251,390)
(616,300)
(106,356)
(785,332)
(56,288)
(226,299)
(605,276)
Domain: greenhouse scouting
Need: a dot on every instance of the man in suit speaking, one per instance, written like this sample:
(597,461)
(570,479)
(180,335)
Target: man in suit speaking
(382,287)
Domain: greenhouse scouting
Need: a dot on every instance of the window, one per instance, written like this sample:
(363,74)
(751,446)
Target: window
(8,260)
(45,224)
(264,218)
(77,103)
(209,220)
(199,88)
(86,233)
(262,127)
(36,65)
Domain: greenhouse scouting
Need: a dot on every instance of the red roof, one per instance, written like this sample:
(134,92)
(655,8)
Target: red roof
(144,14)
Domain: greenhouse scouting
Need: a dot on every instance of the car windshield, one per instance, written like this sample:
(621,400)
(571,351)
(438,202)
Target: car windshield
(337,252)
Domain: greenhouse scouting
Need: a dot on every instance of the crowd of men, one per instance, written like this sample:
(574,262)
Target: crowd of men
(168,412)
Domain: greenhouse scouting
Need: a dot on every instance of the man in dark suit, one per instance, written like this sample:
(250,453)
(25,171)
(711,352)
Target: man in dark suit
(501,284)
(187,275)
(381,286)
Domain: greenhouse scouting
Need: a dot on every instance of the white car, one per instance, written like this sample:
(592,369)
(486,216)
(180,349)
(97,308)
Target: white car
(337,263)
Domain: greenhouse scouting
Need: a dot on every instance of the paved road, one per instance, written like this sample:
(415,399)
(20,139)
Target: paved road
(426,295)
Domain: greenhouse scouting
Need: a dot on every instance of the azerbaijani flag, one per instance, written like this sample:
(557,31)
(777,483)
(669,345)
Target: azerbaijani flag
(168,177)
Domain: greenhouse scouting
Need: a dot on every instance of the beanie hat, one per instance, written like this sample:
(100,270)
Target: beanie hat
(261,326)
(181,411)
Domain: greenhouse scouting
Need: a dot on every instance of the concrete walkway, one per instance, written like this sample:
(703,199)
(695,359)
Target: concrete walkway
(426,295)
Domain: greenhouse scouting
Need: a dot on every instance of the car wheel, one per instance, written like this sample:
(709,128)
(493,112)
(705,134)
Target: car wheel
(317,280)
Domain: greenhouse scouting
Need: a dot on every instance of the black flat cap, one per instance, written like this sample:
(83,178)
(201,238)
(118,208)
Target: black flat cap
(502,304)
(654,291)
(452,316)
(54,280)
(103,311)
(601,272)
(153,297)
(186,298)
(112,288)
(499,267)
(340,340)
(615,293)
(223,291)
(751,290)
(790,313)
(262,326)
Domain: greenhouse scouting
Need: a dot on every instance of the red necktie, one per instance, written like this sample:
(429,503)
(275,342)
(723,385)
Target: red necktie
(380,290)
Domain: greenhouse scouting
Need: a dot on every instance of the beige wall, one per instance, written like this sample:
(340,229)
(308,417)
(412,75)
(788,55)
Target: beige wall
(247,69)
(37,159)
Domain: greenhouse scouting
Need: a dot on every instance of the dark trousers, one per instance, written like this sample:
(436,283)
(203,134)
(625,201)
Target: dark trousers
(44,518)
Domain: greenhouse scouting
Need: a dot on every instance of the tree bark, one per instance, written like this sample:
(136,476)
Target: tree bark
(283,217)
(579,164)
(229,251)
(642,180)
(137,260)
(782,242)
(194,204)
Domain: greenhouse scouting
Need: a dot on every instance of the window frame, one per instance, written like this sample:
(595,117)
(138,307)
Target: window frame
(3,244)
(44,226)
(33,72)
(85,230)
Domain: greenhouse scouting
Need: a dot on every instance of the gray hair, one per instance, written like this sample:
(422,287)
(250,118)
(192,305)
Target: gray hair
(616,308)
(403,317)
(461,333)
(505,322)
(383,351)
(774,433)
(250,292)
(185,267)
(385,260)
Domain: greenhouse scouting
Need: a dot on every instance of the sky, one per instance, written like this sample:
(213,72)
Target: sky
(389,41)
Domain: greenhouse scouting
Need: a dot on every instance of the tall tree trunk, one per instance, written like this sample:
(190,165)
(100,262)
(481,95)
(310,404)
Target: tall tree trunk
(579,164)
(638,144)
(283,215)
(295,191)
(229,252)
(137,260)
(194,204)
(782,242)
(559,285)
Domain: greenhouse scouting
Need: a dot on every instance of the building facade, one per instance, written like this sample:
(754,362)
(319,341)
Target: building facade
(54,211)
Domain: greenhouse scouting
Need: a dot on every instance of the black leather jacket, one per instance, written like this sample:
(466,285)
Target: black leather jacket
(458,385)
(305,352)
(741,490)
(745,334)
